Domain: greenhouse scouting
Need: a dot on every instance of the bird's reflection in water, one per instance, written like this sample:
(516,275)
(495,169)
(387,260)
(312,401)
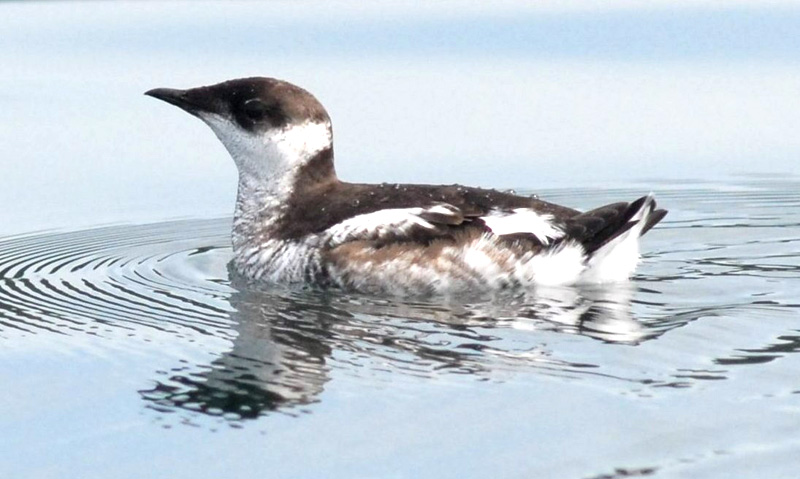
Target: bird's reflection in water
(602,312)
(277,360)
(284,342)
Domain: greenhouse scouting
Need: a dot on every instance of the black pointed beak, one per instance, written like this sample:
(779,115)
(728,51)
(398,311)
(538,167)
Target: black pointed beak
(194,101)
(178,98)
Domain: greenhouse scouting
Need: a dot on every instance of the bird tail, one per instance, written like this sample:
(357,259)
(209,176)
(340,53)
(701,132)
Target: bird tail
(610,237)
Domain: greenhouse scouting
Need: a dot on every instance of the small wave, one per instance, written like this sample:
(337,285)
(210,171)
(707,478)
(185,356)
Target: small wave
(123,277)
(274,349)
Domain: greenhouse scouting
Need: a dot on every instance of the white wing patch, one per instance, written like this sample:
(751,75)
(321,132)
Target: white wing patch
(523,220)
(388,223)
(441,209)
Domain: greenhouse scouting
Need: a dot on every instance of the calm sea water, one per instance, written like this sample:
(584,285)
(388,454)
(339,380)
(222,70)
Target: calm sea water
(126,350)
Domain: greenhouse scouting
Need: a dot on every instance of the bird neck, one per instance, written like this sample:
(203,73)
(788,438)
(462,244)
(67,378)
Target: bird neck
(262,202)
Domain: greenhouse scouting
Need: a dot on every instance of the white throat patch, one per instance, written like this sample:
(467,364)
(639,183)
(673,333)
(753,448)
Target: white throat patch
(270,157)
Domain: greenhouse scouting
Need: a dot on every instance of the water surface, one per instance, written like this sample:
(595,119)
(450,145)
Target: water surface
(127,352)
(129,347)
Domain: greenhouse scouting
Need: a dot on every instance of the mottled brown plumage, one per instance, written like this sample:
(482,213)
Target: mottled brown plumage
(296,221)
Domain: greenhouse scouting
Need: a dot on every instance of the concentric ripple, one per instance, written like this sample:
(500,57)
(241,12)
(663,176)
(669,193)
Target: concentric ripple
(120,277)
(718,268)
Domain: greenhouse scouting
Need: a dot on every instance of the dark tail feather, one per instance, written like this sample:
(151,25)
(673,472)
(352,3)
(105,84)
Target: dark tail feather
(654,219)
(598,227)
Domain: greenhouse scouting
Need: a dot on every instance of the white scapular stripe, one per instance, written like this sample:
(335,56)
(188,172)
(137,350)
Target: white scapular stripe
(523,220)
(383,224)
(442,209)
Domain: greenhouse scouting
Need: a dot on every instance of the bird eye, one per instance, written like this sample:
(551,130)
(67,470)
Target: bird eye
(254,109)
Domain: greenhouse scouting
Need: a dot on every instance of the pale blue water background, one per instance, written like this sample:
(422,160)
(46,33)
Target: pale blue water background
(126,352)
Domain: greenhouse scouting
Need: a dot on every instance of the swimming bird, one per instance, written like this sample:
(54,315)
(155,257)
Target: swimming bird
(296,222)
